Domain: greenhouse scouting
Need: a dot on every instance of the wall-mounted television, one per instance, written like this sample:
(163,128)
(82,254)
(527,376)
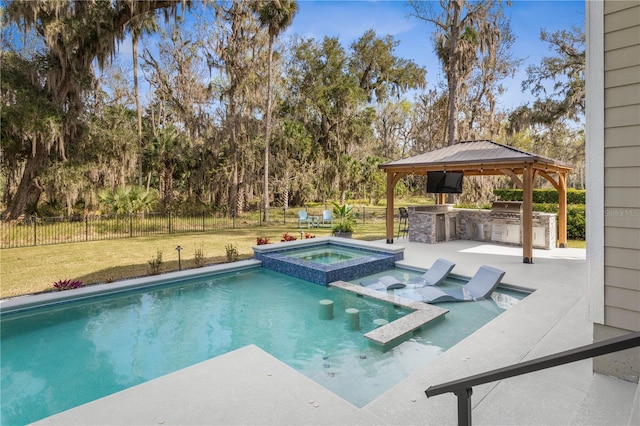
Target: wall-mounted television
(444,182)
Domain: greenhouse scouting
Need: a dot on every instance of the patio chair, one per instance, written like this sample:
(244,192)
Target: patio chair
(480,286)
(434,276)
(327,218)
(302,218)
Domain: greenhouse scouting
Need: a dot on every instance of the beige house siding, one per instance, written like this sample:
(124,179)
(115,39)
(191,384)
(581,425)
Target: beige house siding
(622,165)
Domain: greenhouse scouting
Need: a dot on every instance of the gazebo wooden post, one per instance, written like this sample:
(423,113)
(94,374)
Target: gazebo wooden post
(562,209)
(527,214)
(391,183)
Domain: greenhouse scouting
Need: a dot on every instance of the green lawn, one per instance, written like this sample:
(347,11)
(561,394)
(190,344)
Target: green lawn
(35,269)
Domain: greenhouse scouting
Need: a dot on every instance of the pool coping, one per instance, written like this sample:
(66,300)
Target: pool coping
(395,331)
(310,242)
(18,303)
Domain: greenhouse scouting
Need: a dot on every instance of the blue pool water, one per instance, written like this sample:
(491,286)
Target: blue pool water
(59,357)
(328,255)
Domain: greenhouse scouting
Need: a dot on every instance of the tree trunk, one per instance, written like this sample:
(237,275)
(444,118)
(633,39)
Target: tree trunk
(136,89)
(267,140)
(453,73)
(28,192)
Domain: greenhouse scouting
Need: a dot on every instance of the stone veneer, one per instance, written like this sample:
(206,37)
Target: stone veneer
(473,224)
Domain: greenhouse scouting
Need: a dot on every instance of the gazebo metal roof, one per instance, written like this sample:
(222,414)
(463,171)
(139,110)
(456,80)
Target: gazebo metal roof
(485,157)
(468,153)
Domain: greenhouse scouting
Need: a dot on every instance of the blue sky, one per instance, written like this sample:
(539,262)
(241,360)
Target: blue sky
(349,19)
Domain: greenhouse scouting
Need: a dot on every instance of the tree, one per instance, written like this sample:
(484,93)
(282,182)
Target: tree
(31,122)
(76,34)
(139,25)
(464,32)
(566,71)
(334,91)
(558,82)
(276,15)
(235,50)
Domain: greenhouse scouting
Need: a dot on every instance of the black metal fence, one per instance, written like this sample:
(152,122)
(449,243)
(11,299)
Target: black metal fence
(33,230)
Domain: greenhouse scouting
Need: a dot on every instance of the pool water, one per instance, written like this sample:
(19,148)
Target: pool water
(327,255)
(59,357)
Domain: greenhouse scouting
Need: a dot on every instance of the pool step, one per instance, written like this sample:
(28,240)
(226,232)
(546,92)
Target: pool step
(399,329)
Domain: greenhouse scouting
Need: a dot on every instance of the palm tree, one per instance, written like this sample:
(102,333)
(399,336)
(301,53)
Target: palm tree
(139,25)
(275,15)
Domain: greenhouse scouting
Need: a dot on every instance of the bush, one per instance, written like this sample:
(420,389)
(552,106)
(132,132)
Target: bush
(232,252)
(574,196)
(576,222)
(155,264)
(199,258)
(67,284)
(287,237)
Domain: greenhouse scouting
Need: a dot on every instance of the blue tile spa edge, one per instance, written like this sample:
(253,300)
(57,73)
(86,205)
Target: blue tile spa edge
(277,257)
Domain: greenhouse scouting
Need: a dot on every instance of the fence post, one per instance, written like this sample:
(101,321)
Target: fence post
(35,231)
(364,215)
(130,225)
(169,221)
(86,227)
(203,227)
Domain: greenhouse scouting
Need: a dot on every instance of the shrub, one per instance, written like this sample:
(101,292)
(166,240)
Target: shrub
(308,235)
(576,222)
(199,258)
(574,196)
(67,284)
(262,240)
(287,237)
(232,252)
(155,263)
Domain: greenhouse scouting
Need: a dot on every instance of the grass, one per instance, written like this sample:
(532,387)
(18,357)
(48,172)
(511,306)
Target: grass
(35,269)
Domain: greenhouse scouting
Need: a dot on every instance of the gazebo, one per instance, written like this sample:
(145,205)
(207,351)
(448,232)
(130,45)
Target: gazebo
(487,158)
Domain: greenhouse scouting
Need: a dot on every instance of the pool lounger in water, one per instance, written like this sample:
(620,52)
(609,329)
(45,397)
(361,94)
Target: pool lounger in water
(481,285)
(434,276)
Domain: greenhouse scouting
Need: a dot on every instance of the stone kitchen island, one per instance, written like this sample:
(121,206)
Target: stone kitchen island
(501,224)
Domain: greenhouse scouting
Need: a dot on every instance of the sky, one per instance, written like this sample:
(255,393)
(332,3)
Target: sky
(349,19)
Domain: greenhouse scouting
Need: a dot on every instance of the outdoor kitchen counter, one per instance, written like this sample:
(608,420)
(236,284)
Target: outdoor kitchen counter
(439,223)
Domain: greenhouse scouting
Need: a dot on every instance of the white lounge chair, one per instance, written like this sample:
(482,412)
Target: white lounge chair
(434,276)
(481,285)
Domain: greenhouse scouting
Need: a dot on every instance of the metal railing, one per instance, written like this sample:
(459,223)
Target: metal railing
(36,231)
(463,388)
(33,230)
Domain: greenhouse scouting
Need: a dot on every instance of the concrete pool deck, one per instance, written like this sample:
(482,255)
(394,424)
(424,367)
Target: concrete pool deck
(248,386)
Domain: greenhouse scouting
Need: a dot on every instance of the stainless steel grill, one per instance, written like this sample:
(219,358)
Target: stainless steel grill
(506,209)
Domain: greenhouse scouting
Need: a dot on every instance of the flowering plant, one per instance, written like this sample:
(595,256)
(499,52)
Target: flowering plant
(287,237)
(67,284)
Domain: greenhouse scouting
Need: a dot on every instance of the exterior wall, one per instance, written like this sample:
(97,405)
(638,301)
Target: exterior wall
(616,245)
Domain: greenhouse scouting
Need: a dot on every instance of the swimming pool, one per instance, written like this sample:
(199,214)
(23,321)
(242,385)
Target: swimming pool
(58,357)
